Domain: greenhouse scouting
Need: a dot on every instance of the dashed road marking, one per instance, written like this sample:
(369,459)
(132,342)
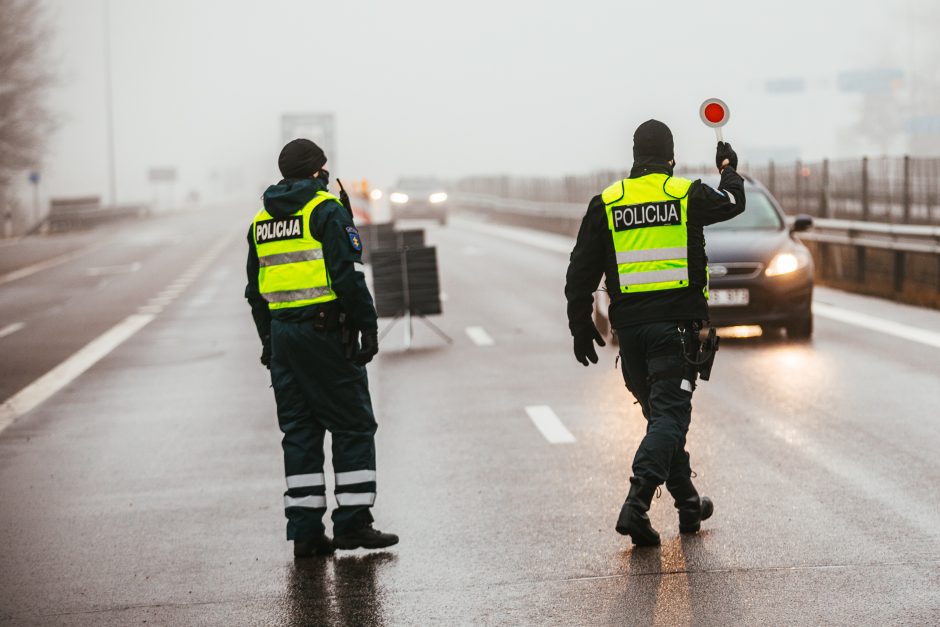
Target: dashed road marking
(479,336)
(43,265)
(126,268)
(882,325)
(549,425)
(10,329)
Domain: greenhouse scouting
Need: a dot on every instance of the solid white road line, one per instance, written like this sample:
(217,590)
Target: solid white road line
(10,329)
(479,336)
(883,325)
(66,372)
(548,423)
(45,386)
(42,265)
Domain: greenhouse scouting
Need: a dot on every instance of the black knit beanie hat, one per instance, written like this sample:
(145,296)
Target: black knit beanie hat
(300,158)
(653,139)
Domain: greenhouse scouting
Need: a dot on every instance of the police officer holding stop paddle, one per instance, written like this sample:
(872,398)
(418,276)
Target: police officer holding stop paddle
(645,235)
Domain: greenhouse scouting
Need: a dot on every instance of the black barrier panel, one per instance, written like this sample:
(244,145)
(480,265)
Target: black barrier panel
(384,237)
(406,281)
(373,237)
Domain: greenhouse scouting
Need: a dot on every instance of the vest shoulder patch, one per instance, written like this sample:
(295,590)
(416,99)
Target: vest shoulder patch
(613,193)
(354,240)
(267,231)
(662,213)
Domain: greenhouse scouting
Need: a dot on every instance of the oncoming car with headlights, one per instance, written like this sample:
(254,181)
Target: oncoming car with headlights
(422,198)
(759,272)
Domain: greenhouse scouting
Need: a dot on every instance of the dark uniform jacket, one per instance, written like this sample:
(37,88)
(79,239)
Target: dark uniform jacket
(328,224)
(594,256)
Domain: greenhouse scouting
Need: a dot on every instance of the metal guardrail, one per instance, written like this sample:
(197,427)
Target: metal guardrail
(894,237)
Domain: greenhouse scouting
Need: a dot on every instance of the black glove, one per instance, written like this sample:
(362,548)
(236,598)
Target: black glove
(266,352)
(368,348)
(584,344)
(725,152)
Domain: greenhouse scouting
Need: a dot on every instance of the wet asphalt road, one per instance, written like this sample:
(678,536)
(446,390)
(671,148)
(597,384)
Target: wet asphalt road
(148,490)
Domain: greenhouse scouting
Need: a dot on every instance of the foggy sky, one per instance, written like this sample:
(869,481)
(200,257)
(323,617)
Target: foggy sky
(450,89)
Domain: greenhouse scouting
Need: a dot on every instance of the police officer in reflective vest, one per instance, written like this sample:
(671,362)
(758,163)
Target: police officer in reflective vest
(645,234)
(307,301)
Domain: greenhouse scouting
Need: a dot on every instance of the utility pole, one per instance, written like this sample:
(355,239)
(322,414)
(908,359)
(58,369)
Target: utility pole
(109,102)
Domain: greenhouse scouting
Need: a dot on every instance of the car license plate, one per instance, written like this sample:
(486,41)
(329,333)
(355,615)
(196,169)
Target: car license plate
(729,298)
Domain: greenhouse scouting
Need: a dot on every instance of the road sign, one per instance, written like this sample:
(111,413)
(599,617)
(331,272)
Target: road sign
(162,175)
(34,177)
(715,113)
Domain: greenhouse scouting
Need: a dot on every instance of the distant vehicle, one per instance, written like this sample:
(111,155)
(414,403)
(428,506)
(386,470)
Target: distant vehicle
(759,272)
(419,198)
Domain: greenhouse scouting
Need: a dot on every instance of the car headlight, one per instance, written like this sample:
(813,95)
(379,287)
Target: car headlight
(786,263)
(398,198)
(375,194)
(437,198)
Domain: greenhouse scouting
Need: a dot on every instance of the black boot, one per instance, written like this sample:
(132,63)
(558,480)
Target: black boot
(633,520)
(693,509)
(365,537)
(321,545)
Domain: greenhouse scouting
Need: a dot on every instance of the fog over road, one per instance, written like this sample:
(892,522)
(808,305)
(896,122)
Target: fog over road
(145,484)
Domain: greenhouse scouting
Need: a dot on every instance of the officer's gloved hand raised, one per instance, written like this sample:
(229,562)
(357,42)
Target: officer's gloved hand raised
(725,156)
(369,346)
(266,352)
(584,344)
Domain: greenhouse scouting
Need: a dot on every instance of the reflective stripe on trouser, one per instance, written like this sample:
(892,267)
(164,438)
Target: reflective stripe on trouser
(355,487)
(317,390)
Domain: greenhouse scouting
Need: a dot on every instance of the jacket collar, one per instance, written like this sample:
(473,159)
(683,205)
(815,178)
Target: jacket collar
(649,165)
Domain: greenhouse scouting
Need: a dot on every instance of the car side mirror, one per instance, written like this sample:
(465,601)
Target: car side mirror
(802,222)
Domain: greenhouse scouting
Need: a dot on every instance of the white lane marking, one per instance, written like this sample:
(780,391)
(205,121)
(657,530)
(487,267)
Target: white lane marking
(883,325)
(45,386)
(42,265)
(10,329)
(66,372)
(126,268)
(479,336)
(548,423)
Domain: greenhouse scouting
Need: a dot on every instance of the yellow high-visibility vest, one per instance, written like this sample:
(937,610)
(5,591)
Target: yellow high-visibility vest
(647,218)
(292,272)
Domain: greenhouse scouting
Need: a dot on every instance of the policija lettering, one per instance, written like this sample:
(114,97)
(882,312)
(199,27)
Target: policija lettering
(665,213)
(278,230)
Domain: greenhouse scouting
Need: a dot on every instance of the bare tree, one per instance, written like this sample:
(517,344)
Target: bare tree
(25,75)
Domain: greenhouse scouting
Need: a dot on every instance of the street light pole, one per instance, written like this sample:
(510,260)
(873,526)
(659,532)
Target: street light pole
(109,104)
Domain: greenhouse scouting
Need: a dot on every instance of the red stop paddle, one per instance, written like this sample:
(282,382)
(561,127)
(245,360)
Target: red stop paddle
(715,113)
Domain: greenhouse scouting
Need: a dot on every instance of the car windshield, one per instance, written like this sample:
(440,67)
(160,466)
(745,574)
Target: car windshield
(760,214)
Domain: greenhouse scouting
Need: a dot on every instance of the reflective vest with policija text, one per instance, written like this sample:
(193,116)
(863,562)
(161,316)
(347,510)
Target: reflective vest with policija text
(291,271)
(647,218)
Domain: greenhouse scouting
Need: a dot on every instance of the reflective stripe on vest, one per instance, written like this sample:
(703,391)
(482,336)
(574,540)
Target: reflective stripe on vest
(647,218)
(292,271)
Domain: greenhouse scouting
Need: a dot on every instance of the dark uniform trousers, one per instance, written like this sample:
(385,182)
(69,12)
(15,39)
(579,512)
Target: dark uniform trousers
(651,360)
(317,390)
